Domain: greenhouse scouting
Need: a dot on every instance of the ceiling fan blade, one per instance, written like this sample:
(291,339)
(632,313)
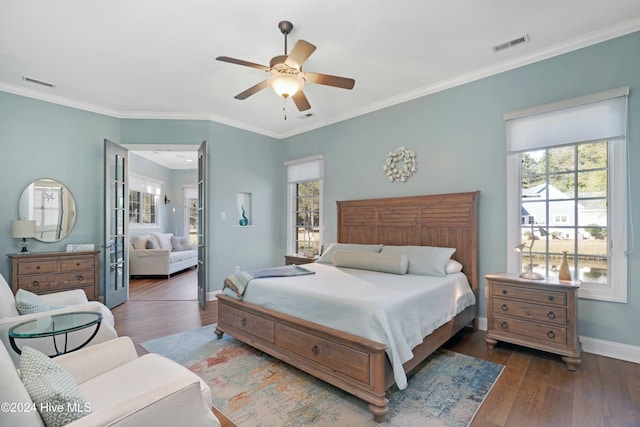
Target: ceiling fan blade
(300,53)
(253,89)
(301,101)
(326,79)
(241,62)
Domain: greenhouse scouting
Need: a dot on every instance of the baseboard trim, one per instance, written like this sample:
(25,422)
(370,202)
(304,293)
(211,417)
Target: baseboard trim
(616,350)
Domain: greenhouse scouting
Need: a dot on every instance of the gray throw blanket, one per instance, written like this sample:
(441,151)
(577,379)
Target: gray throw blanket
(238,282)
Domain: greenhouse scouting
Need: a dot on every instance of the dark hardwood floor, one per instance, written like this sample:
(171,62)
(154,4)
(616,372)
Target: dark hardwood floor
(535,388)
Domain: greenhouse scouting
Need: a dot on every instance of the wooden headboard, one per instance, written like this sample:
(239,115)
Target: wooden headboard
(446,220)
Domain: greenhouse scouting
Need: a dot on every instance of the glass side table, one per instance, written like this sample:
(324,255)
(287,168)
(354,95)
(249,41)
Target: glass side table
(58,324)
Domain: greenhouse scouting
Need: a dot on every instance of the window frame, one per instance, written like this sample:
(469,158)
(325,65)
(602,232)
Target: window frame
(615,290)
(145,185)
(315,174)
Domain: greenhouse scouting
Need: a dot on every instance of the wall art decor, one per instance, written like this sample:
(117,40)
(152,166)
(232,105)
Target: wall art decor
(400,164)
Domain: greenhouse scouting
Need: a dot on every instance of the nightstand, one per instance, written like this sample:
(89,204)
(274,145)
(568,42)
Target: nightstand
(540,314)
(297,260)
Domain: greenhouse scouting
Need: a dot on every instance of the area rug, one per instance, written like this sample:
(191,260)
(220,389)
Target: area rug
(253,389)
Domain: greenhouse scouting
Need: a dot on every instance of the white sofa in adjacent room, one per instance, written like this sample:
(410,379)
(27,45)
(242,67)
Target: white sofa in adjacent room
(160,254)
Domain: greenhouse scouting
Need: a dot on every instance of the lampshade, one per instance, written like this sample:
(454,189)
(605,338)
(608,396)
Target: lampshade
(21,228)
(285,85)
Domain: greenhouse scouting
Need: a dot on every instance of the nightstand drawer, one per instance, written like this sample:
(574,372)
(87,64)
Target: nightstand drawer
(525,310)
(532,295)
(546,333)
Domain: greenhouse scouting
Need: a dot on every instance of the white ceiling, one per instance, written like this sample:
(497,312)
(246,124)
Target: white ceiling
(156,58)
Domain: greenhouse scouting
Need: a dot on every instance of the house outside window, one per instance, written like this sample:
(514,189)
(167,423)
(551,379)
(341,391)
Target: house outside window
(304,206)
(566,175)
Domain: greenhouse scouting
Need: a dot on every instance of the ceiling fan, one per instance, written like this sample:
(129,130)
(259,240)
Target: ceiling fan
(287,78)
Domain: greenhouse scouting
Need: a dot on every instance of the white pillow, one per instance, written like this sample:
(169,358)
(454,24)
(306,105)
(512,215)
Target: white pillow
(453,266)
(423,260)
(386,263)
(164,239)
(29,303)
(180,243)
(52,389)
(327,256)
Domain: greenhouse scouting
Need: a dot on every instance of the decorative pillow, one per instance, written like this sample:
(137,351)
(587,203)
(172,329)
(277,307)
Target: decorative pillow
(453,266)
(327,256)
(152,242)
(424,260)
(140,242)
(52,389)
(386,263)
(28,303)
(164,240)
(180,243)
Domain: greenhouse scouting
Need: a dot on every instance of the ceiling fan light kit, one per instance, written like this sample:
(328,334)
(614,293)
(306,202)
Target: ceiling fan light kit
(287,78)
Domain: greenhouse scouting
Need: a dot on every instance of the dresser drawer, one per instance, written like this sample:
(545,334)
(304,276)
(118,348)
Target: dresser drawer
(525,310)
(337,357)
(76,264)
(252,324)
(55,282)
(519,328)
(532,295)
(38,267)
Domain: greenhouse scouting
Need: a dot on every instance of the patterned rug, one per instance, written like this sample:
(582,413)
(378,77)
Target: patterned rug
(253,389)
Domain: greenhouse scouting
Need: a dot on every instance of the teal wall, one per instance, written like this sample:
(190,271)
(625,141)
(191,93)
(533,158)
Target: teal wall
(457,134)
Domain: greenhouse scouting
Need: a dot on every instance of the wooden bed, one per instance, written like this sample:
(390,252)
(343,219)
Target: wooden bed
(357,365)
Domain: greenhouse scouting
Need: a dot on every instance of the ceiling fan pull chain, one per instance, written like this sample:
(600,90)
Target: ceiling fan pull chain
(284,107)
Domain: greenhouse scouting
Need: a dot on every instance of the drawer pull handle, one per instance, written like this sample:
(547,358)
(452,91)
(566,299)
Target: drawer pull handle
(504,325)
(551,315)
(551,334)
(77,264)
(314,349)
(550,297)
(37,267)
(80,278)
(243,322)
(504,292)
(35,283)
(504,307)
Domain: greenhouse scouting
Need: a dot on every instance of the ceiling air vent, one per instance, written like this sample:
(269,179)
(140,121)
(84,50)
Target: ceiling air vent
(511,43)
(306,116)
(38,82)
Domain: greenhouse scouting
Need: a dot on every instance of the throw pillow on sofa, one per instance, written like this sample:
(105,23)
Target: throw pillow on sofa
(180,243)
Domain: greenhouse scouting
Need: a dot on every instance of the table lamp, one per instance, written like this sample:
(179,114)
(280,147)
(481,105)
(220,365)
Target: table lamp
(23,229)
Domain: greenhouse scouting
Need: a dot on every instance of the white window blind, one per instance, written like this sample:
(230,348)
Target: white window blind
(307,169)
(600,116)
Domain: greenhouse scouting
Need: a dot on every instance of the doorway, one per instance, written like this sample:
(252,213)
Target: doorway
(173,170)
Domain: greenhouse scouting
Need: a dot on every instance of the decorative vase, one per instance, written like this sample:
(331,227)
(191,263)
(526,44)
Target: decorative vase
(243,221)
(565,274)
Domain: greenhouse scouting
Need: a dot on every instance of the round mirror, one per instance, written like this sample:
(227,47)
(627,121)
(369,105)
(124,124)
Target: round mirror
(51,205)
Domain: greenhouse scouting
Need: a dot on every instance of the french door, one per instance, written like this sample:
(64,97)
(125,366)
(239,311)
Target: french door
(115,254)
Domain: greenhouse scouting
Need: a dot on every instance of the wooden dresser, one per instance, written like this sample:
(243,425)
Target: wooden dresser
(541,314)
(47,272)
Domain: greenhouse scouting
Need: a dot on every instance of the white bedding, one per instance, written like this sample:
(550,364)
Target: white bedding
(397,310)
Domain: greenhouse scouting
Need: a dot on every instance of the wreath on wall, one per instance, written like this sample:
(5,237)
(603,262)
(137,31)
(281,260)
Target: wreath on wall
(400,164)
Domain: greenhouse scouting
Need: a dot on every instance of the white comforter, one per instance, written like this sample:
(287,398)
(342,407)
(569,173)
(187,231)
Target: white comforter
(397,310)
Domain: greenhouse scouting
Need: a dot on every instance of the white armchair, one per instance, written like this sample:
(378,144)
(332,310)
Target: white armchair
(121,389)
(75,300)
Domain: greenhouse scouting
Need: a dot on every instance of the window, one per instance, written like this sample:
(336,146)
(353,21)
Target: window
(566,167)
(191,213)
(144,198)
(304,178)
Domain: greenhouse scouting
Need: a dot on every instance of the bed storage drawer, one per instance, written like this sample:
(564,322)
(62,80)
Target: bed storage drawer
(337,357)
(249,323)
